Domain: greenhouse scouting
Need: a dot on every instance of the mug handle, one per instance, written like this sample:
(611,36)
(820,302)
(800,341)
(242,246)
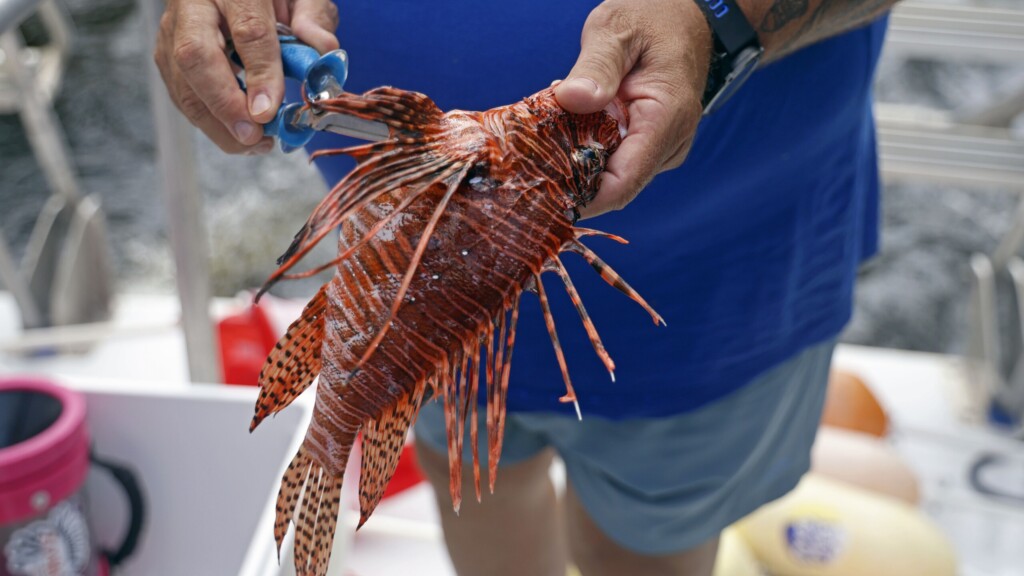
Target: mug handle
(979,485)
(136,504)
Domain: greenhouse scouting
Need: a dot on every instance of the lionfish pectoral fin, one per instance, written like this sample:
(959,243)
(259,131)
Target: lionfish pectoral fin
(469,411)
(581,232)
(498,390)
(320,494)
(459,391)
(383,441)
(294,362)
(612,278)
(588,324)
(549,321)
(453,392)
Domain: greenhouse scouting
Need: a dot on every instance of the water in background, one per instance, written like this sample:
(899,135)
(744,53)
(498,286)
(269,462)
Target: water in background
(911,296)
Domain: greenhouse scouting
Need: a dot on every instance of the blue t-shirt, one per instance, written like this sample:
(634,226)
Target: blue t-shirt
(749,250)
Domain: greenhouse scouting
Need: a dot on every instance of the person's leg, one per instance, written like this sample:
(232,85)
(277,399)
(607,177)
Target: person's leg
(595,554)
(517,530)
(651,488)
(650,496)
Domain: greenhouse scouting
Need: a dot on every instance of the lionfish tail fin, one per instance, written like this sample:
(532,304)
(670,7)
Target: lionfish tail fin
(319,492)
(294,362)
(383,441)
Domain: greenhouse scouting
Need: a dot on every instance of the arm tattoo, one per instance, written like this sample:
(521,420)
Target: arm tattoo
(781,13)
(829,17)
(832,16)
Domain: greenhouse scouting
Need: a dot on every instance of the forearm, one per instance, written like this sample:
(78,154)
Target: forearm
(787,25)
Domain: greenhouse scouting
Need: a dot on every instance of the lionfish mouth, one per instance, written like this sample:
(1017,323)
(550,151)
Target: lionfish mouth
(617,110)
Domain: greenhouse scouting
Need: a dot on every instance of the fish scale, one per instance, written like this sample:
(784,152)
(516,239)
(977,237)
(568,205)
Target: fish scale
(443,226)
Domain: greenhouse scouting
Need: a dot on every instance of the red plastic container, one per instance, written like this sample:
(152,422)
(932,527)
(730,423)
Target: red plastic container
(246,338)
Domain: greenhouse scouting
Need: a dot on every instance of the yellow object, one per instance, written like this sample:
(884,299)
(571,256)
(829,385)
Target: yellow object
(826,528)
(850,404)
(865,461)
(734,557)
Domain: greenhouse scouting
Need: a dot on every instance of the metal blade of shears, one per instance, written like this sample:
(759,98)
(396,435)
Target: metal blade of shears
(345,125)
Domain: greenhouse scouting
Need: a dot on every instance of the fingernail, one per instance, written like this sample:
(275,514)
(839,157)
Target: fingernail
(244,131)
(584,83)
(260,104)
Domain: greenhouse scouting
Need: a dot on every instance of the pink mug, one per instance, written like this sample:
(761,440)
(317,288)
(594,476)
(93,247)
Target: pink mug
(44,459)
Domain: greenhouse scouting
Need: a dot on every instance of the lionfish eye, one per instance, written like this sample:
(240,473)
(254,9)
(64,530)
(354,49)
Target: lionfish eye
(589,155)
(589,165)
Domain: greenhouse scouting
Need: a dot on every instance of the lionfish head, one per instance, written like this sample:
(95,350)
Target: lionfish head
(582,142)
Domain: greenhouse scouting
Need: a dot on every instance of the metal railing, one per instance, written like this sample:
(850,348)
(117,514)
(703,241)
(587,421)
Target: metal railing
(972,148)
(65,276)
(965,33)
(915,146)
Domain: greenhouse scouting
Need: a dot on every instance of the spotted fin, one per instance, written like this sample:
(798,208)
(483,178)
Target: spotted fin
(316,494)
(383,440)
(294,362)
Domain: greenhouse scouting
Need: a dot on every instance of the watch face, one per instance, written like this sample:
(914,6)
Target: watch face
(744,65)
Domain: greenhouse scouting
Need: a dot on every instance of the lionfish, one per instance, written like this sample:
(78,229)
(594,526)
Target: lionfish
(443,226)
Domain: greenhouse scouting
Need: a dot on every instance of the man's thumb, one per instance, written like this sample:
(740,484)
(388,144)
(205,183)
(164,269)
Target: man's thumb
(603,62)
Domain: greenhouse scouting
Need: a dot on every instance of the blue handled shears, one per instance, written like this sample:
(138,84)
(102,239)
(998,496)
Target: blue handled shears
(322,77)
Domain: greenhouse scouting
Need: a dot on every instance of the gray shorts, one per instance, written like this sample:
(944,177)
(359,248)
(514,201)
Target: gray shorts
(664,485)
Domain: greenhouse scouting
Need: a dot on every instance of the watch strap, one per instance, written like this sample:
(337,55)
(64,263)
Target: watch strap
(729,25)
(732,34)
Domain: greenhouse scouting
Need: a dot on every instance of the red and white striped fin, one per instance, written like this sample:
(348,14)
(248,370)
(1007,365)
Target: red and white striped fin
(588,324)
(612,277)
(408,159)
(549,321)
(501,394)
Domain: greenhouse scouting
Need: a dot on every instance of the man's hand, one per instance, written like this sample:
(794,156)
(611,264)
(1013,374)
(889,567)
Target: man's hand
(200,79)
(654,56)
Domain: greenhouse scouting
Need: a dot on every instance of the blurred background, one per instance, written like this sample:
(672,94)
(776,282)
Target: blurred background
(927,290)
(912,296)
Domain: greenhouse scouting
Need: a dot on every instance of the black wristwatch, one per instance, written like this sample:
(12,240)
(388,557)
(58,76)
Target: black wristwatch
(735,54)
